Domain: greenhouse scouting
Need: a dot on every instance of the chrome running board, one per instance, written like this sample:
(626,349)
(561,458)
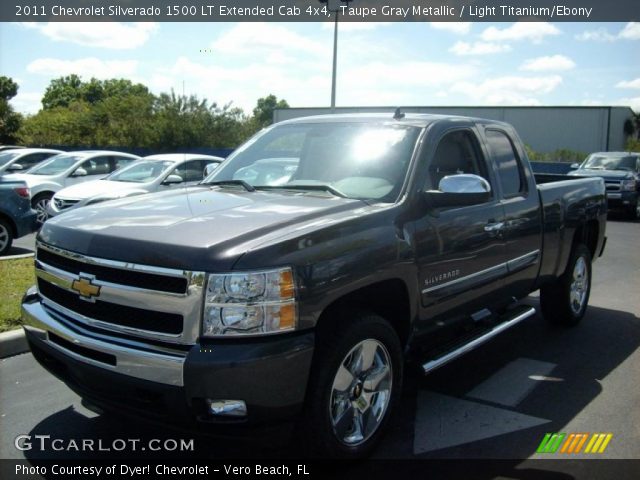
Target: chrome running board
(467,347)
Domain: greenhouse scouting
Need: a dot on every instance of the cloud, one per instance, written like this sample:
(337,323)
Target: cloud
(252,38)
(631,31)
(633,102)
(549,63)
(27,102)
(111,35)
(85,67)
(533,31)
(354,26)
(508,90)
(629,84)
(478,48)
(459,28)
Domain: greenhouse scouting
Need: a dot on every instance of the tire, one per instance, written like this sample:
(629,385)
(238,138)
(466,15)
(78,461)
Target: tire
(565,301)
(634,212)
(40,203)
(6,237)
(355,385)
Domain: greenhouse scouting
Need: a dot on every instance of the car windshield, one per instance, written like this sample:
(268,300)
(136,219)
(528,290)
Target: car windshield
(55,165)
(141,171)
(6,157)
(349,159)
(605,162)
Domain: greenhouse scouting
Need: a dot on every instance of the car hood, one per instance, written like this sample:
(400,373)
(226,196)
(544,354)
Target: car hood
(606,174)
(94,188)
(199,228)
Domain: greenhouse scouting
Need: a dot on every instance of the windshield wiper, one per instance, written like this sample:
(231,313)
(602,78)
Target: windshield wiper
(315,187)
(222,183)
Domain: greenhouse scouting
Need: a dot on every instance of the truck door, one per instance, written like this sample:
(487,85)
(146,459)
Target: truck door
(522,222)
(460,250)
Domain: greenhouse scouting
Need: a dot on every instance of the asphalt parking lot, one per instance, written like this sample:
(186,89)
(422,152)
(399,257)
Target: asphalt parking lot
(497,402)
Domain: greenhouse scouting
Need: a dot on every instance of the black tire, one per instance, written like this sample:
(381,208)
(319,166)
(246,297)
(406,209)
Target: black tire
(565,301)
(6,237)
(345,418)
(40,203)
(633,213)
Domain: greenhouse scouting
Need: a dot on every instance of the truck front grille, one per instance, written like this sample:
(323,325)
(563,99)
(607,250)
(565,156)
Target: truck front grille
(612,186)
(137,301)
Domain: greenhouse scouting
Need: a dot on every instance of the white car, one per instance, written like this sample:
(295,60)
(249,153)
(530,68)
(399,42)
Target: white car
(149,174)
(22,159)
(66,169)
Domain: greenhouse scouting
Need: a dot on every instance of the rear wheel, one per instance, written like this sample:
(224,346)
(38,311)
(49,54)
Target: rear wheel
(6,237)
(565,301)
(40,204)
(355,384)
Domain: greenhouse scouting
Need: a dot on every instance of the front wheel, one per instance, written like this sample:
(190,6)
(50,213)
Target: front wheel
(355,385)
(565,301)
(6,237)
(40,204)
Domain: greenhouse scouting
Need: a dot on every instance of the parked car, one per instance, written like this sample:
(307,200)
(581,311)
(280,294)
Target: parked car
(16,216)
(621,174)
(10,147)
(68,169)
(150,174)
(233,304)
(21,160)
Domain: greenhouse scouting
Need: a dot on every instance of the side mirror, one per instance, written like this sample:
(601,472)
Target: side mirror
(575,166)
(80,172)
(210,168)
(172,179)
(16,167)
(460,191)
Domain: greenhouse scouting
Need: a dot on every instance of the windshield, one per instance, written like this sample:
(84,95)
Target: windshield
(604,162)
(7,157)
(356,160)
(55,165)
(141,171)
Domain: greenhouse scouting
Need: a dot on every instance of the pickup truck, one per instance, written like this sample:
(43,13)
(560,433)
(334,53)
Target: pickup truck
(230,304)
(16,216)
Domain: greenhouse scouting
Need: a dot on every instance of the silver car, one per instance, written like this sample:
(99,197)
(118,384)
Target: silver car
(66,169)
(22,159)
(150,174)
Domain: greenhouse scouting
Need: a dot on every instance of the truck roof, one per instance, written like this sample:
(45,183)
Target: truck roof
(414,119)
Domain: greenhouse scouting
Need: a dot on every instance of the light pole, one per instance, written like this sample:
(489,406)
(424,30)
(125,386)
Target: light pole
(335,50)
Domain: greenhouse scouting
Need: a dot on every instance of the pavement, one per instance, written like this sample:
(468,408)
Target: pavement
(497,402)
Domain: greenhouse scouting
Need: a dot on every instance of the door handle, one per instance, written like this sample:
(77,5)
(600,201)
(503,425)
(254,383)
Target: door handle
(495,227)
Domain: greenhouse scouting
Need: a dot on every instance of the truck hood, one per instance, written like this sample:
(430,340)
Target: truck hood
(199,228)
(606,174)
(94,188)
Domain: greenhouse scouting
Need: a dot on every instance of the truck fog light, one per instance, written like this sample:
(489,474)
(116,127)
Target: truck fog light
(227,408)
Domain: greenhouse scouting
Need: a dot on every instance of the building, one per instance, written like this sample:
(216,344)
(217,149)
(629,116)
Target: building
(544,129)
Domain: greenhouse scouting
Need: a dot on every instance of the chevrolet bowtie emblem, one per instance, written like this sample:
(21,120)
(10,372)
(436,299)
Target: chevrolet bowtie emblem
(85,288)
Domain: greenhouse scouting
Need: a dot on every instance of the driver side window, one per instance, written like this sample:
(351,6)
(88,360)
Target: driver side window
(457,152)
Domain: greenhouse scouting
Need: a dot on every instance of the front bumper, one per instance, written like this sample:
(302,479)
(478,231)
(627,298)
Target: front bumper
(117,374)
(627,199)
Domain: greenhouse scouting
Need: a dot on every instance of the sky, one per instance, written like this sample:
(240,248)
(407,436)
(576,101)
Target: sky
(379,64)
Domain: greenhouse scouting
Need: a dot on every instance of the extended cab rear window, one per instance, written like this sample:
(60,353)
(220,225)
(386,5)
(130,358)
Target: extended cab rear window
(509,169)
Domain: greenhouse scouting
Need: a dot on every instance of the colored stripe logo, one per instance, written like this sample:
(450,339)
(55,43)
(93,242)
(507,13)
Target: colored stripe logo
(574,443)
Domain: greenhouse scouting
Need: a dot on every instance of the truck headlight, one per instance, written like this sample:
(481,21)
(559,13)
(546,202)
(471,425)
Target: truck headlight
(628,185)
(249,303)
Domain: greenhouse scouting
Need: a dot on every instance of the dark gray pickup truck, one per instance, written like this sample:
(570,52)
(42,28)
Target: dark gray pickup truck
(298,278)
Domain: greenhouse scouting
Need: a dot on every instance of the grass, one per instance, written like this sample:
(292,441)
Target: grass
(15,277)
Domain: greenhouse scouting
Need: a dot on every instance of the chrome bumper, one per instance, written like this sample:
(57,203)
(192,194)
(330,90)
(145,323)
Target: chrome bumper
(155,367)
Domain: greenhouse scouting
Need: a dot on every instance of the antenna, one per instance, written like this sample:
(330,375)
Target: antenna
(398,115)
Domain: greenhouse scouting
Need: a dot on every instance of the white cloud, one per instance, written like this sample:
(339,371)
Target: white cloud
(27,102)
(85,67)
(633,102)
(549,63)
(631,31)
(629,84)
(459,28)
(508,90)
(533,31)
(478,48)
(111,35)
(255,37)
